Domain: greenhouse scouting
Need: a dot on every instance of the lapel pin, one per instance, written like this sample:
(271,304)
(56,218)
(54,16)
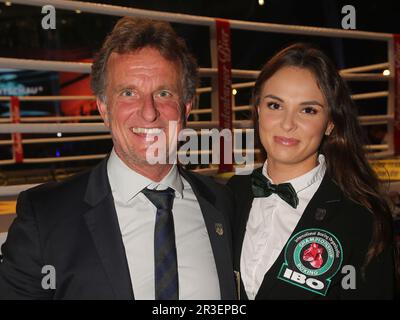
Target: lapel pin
(219,229)
(320,214)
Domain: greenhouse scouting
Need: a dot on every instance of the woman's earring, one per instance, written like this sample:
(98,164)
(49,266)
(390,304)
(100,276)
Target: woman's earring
(329,129)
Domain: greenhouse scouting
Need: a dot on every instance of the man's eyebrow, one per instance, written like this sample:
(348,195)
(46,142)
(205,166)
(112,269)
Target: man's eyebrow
(166,87)
(124,86)
(273,97)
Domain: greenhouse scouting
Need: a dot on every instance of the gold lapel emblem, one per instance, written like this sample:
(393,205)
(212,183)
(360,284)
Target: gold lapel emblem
(219,229)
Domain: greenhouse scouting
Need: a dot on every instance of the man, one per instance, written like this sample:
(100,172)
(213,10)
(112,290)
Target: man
(107,234)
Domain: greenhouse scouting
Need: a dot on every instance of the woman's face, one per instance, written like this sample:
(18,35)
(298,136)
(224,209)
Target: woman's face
(293,118)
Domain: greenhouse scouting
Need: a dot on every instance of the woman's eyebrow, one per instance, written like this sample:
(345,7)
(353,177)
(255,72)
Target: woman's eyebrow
(312,102)
(273,97)
(308,102)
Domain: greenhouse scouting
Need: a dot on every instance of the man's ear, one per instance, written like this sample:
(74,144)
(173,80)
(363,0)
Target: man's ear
(188,108)
(102,107)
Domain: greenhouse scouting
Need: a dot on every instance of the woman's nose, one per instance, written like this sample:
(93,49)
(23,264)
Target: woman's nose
(288,120)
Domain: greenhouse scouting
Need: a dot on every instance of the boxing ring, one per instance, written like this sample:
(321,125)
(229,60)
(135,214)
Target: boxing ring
(91,128)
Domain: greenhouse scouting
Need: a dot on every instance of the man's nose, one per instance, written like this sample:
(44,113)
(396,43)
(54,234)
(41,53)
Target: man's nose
(149,110)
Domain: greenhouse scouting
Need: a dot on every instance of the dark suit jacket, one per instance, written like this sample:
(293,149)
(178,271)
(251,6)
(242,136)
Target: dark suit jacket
(331,211)
(73,226)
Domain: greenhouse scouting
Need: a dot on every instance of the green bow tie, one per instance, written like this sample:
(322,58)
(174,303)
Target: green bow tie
(262,187)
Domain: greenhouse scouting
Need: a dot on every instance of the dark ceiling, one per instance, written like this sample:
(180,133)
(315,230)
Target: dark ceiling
(82,34)
(372,15)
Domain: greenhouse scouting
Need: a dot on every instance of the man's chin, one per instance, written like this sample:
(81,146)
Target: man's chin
(145,157)
(149,161)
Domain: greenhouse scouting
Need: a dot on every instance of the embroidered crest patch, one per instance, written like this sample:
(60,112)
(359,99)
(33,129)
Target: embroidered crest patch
(312,258)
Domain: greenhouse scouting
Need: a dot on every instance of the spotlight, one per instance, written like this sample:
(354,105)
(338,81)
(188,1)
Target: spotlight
(234,92)
(386,72)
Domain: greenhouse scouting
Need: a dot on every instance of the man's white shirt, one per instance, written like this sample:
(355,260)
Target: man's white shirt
(197,271)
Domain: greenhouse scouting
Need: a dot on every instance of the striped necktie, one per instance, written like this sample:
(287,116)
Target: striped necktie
(165,260)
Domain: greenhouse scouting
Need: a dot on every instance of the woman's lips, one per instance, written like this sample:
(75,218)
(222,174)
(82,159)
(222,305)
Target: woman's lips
(288,142)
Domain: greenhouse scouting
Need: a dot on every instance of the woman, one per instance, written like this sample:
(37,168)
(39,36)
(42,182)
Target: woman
(311,223)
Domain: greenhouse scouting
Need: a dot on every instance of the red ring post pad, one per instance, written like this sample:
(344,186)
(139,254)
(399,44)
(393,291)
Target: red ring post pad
(18,151)
(396,42)
(224,87)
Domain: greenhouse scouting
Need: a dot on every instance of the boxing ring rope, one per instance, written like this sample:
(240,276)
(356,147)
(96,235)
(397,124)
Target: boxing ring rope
(58,140)
(48,98)
(85,67)
(12,191)
(361,73)
(378,66)
(360,96)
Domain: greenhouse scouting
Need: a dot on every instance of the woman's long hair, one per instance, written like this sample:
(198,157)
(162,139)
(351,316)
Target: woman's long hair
(343,148)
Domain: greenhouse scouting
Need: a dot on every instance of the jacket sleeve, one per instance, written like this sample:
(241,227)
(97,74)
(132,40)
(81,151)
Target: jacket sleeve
(379,277)
(378,280)
(21,265)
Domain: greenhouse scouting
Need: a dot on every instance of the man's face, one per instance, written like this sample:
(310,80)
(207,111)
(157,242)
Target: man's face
(143,94)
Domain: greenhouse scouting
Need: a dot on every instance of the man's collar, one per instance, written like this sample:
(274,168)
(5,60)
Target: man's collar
(171,180)
(128,183)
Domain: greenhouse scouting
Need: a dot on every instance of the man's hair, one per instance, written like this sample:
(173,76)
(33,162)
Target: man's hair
(131,34)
